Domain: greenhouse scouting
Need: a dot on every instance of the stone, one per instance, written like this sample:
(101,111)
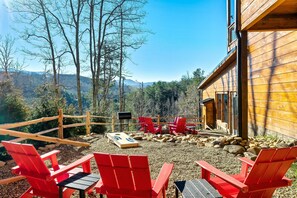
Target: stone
(50,146)
(229,139)
(254,150)
(217,146)
(2,163)
(216,142)
(233,142)
(192,142)
(203,139)
(234,149)
(208,144)
(282,145)
(42,148)
(250,155)
(178,141)
(264,146)
(238,138)
(292,143)
(223,140)
(200,144)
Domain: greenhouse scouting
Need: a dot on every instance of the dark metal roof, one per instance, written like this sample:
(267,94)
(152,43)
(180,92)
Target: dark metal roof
(207,100)
(231,56)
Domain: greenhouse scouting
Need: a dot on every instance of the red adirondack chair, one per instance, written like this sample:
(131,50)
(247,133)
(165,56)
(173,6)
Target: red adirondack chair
(174,122)
(129,176)
(43,180)
(141,121)
(258,178)
(151,127)
(179,127)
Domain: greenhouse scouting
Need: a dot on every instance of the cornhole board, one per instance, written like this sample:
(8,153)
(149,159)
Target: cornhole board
(122,140)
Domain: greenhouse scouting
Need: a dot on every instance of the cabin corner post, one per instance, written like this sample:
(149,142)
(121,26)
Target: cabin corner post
(243,91)
(60,124)
(241,73)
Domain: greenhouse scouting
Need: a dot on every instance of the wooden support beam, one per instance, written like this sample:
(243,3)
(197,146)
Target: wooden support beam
(41,137)
(276,22)
(11,179)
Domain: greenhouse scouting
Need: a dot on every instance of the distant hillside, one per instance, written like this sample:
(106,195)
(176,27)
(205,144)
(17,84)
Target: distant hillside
(29,81)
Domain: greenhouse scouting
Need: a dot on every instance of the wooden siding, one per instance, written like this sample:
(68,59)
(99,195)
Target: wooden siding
(253,11)
(226,82)
(272,82)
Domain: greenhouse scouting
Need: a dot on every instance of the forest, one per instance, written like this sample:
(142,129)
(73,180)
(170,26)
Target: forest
(97,36)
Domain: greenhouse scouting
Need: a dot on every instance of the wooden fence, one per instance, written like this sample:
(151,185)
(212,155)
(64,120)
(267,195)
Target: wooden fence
(5,129)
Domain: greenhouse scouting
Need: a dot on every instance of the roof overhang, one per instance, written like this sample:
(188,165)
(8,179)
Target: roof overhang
(231,56)
(281,15)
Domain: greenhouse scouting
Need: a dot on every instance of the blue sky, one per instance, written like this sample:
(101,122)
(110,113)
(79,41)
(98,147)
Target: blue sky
(188,34)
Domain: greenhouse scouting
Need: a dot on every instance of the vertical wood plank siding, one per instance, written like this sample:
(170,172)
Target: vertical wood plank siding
(272,82)
(254,10)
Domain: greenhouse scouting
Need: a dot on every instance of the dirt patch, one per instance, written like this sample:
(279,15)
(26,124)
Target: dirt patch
(183,156)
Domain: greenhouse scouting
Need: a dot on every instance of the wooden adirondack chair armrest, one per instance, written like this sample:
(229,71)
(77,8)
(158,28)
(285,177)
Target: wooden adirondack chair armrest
(15,169)
(210,169)
(246,161)
(162,179)
(65,169)
(52,156)
(246,164)
(48,155)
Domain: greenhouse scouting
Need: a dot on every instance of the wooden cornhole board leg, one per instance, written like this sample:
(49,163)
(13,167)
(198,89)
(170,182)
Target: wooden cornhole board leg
(122,140)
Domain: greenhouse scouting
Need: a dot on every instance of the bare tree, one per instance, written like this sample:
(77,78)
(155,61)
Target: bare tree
(34,16)
(67,15)
(131,35)
(6,53)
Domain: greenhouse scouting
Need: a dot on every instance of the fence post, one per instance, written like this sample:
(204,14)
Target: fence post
(158,120)
(204,122)
(113,123)
(60,124)
(88,123)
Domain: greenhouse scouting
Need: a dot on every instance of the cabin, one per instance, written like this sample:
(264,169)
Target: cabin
(254,88)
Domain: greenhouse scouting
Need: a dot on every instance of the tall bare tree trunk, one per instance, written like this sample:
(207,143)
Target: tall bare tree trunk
(121,62)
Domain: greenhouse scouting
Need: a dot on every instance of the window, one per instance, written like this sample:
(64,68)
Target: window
(222,107)
(231,24)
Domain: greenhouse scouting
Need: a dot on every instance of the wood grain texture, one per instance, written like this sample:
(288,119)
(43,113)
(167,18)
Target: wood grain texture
(256,10)
(272,85)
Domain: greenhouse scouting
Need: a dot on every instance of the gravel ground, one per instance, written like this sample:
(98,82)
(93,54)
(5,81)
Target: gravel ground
(182,156)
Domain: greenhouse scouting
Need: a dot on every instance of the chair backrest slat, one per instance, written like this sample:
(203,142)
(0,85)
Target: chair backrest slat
(141,172)
(123,174)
